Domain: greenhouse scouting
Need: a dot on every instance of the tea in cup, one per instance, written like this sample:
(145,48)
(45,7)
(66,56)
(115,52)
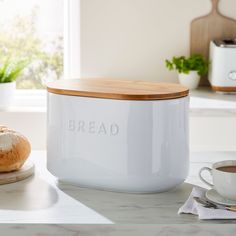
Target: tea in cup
(223,178)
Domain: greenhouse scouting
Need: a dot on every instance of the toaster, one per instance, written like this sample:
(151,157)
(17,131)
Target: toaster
(222,71)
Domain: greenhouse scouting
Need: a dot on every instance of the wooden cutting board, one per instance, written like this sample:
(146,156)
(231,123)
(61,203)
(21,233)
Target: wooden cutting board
(26,171)
(210,27)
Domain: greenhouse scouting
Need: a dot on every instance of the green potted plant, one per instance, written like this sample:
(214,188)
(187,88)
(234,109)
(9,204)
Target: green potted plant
(9,71)
(189,69)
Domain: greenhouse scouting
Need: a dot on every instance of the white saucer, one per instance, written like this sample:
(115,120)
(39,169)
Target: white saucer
(215,197)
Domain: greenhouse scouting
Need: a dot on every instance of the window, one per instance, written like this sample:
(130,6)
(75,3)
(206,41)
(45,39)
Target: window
(33,29)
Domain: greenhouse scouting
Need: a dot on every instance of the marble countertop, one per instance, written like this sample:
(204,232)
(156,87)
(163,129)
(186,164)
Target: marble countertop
(40,199)
(205,102)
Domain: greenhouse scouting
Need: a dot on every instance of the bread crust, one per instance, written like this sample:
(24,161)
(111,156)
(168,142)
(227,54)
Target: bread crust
(12,159)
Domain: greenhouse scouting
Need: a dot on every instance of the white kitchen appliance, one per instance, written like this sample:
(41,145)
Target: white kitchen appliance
(222,71)
(129,136)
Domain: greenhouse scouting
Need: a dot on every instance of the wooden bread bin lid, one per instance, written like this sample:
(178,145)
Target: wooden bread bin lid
(117,89)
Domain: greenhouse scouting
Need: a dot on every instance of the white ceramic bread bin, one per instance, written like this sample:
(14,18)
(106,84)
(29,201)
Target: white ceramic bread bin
(118,135)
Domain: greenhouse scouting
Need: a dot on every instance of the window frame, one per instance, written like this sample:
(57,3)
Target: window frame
(36,98)
(72,38)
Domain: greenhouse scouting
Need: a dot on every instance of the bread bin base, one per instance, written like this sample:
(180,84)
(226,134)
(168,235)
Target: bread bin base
(118,145)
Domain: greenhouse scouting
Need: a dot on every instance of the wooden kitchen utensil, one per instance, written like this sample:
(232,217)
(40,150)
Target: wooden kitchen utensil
(213,26)
(11,177)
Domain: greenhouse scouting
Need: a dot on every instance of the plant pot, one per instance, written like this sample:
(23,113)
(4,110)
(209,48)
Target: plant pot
(7,91)
(190,80)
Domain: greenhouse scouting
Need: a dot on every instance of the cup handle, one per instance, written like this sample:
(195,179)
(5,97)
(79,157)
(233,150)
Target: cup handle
(202,179)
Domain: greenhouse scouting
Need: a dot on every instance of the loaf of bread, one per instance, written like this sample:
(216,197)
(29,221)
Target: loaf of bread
(14,149)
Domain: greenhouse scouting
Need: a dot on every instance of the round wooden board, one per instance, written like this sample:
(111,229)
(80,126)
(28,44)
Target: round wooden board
(26,171)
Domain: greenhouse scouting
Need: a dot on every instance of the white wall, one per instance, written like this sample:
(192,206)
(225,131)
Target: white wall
(207,133)
(212,133)
(132,38)
(30,124)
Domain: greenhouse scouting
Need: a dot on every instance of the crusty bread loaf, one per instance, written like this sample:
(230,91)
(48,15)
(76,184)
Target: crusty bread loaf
(14,149)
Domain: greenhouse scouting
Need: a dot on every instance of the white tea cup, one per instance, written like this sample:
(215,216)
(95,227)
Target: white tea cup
(223,178)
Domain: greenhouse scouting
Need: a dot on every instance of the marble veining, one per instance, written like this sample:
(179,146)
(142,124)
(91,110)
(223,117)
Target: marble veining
(118,230)
(40,199)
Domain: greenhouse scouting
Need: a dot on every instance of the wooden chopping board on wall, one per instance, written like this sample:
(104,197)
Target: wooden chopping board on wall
(213,26)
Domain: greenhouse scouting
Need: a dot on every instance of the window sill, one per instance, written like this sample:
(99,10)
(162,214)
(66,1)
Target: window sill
(26,101)
(30,99)
(24,109)
(203,102)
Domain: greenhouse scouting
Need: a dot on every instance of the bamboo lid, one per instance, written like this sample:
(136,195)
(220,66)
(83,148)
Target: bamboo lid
(117,89)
